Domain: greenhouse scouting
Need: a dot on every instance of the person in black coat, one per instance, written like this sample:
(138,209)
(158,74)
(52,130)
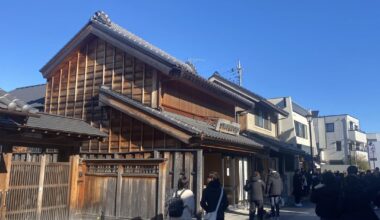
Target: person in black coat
(211,195)
(297,188)
(326,197)
(355,201)
(256,188)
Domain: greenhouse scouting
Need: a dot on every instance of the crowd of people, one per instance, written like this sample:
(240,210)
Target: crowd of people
(351,195)
(338,196)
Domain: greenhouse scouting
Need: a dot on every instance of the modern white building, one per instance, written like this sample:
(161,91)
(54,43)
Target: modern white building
(373,140)
(340,140)
(295,128)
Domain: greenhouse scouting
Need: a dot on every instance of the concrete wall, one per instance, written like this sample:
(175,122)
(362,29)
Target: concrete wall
(374,138)
(327,140)
(287,131)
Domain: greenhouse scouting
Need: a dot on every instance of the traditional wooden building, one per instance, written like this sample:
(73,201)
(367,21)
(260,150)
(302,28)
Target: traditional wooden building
(151,105)
(39,160)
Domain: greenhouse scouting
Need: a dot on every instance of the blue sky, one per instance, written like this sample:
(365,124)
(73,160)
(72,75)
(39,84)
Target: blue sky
(325,54)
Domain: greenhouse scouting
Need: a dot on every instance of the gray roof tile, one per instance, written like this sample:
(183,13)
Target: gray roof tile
(101,19)
(62,124)
(196,127)
(10,103)
(32,95)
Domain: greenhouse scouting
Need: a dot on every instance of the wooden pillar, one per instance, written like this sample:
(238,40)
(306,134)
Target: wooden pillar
(41,186)
(4,182)
(199,183)
(74,193)
(161,182)
(119,185)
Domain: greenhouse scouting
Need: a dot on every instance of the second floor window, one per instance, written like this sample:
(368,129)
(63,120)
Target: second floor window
(338,146)
(301,129)
(329,127)
(262,120)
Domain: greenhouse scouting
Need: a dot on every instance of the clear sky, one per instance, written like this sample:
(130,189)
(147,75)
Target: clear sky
(325,54)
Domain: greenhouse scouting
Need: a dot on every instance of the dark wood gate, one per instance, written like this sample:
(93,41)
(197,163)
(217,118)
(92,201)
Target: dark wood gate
(38,190)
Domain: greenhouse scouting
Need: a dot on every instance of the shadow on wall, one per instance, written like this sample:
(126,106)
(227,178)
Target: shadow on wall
(288,136)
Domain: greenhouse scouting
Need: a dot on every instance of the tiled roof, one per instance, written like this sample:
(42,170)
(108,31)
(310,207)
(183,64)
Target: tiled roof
(32,95)
(245,93)
(102,20)
(42,121)
(195,127)
(63,124)
(13,104)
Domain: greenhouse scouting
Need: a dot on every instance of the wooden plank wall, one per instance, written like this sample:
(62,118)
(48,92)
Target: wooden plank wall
(72,90)
(133,185)
(182,99)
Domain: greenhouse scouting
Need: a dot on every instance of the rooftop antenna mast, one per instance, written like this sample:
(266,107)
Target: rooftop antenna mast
(239,71)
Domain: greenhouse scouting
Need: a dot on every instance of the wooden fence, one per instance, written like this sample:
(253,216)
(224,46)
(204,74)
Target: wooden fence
(123,188)
(38,190)
(135,185)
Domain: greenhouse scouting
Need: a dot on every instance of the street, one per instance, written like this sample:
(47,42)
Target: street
(287,213)
(293,213)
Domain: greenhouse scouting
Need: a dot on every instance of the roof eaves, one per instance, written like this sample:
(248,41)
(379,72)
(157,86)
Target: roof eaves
(248,94)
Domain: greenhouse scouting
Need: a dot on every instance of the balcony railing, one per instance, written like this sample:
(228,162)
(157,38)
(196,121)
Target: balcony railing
(357,136)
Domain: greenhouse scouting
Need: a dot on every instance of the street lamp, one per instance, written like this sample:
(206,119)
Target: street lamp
(309,117)
(373,150)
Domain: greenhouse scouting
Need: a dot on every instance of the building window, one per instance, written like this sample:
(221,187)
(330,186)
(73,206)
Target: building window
(329,127)
(301,129)
(351,125)
(338,146)
(262,120)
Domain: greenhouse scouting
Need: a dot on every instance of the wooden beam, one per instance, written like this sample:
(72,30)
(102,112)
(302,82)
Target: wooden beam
(145,118)
(110,130)
(76,84)
(119,186)
(51,93)
(46,95)
(161,194)
(74,193)
(40,186)
(59,91)
(143,84)
(67,87)
(199,181)
(120,129)
(113,66)
(154,98)
(85,83)
(122,75)
(104,62)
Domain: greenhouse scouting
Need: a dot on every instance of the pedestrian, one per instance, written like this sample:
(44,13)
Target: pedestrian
(214,199)
(274,190)
(355,199)
(297,188)
(187,197)
(326,197)
(256,188)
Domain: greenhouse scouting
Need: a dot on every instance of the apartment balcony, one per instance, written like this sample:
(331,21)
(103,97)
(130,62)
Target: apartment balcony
(357,136)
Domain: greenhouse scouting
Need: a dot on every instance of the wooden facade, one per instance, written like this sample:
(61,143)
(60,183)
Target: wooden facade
(72,90)
(119,167)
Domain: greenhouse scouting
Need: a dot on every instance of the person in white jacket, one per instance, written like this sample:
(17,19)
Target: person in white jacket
(187,197)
